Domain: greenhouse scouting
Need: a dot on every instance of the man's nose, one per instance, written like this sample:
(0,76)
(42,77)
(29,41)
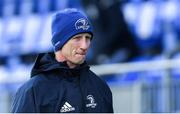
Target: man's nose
(85,44)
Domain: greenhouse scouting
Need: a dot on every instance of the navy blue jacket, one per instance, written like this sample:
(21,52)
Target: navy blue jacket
(54,87)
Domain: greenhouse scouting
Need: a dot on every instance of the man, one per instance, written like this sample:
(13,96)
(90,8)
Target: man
(61,81)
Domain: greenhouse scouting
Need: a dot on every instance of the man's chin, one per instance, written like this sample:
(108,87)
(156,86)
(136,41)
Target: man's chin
(79,62)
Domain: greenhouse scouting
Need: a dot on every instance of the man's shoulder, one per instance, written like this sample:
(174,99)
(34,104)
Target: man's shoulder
(98,80)
(95,77)
(32,83)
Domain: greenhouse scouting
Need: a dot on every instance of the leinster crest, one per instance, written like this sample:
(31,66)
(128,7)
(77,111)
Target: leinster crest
(92,102)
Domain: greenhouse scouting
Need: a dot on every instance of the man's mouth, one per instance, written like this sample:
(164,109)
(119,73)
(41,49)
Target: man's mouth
(83,53)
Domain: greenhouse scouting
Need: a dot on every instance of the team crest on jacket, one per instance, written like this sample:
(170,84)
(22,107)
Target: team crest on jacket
(92,103)
(82,24)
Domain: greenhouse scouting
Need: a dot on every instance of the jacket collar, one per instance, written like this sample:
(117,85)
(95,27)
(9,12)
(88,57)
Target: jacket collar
(47,62)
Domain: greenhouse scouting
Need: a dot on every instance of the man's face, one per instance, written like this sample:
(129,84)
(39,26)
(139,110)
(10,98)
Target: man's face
(75,50)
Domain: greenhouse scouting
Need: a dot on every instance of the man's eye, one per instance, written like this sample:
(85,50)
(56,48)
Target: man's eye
(77,38)
(88,37)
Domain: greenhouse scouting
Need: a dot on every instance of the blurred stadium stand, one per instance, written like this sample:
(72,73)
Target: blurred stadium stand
(132,31)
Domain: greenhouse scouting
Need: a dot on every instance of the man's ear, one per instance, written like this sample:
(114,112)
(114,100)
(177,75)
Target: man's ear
(59,56)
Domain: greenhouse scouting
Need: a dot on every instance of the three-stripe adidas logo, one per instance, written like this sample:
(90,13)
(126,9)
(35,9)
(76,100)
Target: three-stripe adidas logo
(67,107)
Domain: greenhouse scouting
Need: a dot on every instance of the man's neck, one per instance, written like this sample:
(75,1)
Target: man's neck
(71,65)
(61,58)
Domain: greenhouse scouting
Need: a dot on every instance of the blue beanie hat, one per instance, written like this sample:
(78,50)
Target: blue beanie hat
(66,24)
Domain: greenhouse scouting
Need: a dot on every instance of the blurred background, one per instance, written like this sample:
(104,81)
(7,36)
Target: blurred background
(135,48)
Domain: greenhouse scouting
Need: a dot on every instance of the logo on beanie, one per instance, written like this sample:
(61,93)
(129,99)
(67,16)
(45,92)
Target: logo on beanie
(82,24)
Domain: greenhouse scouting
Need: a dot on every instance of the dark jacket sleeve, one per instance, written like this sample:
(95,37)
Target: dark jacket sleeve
(111,104)
(24,101)
(108,96)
